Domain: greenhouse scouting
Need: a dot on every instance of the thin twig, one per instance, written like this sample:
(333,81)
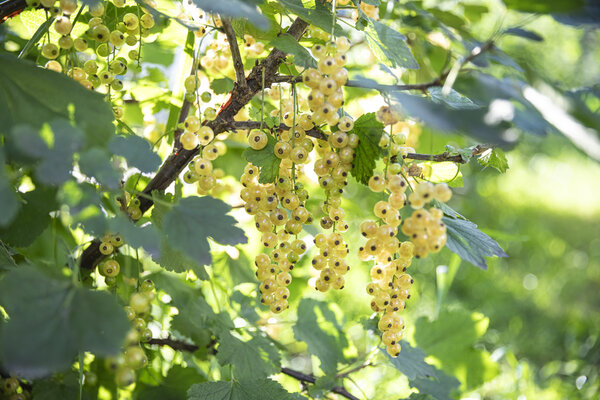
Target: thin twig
(238,65)
(302,377)
(184,346)
(445,156)
(355,369)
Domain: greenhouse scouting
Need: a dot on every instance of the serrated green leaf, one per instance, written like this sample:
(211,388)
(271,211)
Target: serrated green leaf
(135,235)
(470,243)
(28,90)
(453,99)
(255,359)
(222,85)
(136,151)
(193,220)
(411,362)
(240,270)
(235,8)
(494,158)
(51,321)
(309,328)
(369,131)
(266,160)
(55,158)
(289,45)
(389,46)
(96,163)
(260,389)
(319,16)
(32,218)
(8,199)
(451,338)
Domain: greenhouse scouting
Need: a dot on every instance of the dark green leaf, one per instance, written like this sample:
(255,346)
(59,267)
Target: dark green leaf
(240,269)
(235,8)
(309,328)
(259,389)
(389,46)
(266,160)
(494,158)
(411,362)
(255,359)
(32,219)
(193,220)
(319,16)
(289,45)
(135,235)
(440,388)
(28,90)
(470,243)
(222,85)
(453,99)
(445,119)
(173,387)
(96,163)
(524,33)
(6,260)
(136,151)
(51,321)
(369,131)
(8,199)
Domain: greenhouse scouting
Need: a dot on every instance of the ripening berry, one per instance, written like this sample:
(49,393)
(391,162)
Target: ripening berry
(125,377)
(312,78)
(425,191)
(319,51)
(131,21)
(189,140)
(327,65)
(50,51)
(257,140)
(106,248)
(442,192)
(139,303)
(111,268)
(377,184)
(147,21)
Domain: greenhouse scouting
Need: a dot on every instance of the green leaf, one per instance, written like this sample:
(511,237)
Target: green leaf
(136,151)
(452,339)
(27,90)
(255,359)
(524,33)
(470,243)
(389,46)
(465,153)
(369,131)
(195,316)
(311,329)
(222,85)
(6,260)
(544,6)
(453,99)
(41,31)
(411,362)
(240,269)
(193,220)
(260,389)
(52,320)
(32,219)
(319,16)
(96,163)
(54,145)
(440,388)
(173,387)
(266,160)
(135,235)
(494,158)
(8,199)
(235,8)
(289,45)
